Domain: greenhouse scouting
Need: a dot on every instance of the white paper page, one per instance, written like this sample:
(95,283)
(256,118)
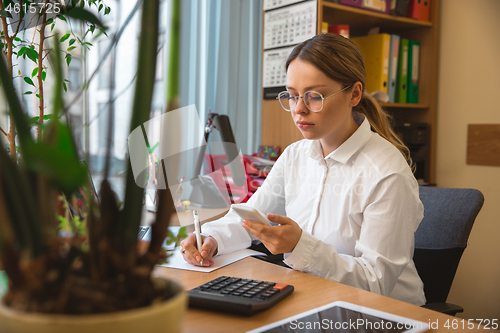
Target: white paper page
(177,261)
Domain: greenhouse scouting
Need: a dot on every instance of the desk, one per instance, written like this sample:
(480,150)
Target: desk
(310,292)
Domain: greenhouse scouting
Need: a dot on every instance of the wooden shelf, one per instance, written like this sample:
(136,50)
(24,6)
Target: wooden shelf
(361,20)
(404,106)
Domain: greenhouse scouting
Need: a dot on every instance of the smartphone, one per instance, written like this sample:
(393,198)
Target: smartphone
(249,213)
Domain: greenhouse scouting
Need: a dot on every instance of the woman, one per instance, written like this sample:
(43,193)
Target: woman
(345,197)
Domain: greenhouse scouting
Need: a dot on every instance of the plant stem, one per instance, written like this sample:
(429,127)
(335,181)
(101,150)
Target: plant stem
(41,101)
(11,136)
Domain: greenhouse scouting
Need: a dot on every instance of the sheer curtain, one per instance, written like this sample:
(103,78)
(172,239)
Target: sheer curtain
(220,70)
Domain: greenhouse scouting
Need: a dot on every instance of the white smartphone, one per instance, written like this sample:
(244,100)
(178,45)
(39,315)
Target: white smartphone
(249,213)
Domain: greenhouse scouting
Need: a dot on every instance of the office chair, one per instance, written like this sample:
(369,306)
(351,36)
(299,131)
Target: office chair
(441,239)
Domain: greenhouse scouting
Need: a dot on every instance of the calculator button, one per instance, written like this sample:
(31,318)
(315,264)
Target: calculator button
(280,286)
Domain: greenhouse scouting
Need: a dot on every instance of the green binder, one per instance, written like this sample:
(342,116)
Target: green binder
(413,71)
(402,80)
(4,283)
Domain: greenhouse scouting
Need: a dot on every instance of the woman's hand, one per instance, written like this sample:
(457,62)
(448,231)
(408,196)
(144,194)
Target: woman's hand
(277,239)
(191,254)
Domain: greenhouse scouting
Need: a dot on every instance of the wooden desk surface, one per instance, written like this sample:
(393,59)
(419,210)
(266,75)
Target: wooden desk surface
(310,292)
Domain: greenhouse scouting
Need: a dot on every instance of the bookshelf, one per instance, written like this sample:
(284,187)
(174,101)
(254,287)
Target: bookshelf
(277,126)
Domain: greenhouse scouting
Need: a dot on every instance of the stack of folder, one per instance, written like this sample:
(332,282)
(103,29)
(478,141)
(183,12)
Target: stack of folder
(392,66)
(416,9)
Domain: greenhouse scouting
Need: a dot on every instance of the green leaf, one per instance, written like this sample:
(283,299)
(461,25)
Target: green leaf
(102,31)
(61,18)
(17,39)
(40,97)
(29,81)
(173,56)
(107,10)
(5,13)
(32,54)
(65,87)
(44,75)
(68,59)
(52,27)
(150,150)
(72,41)
(50,20)
(65,37)
(100,7)
(35,120)
(71,48)
(141,105)
(57,159)
(84,15)
(35,72)
(21,51)
(28,93)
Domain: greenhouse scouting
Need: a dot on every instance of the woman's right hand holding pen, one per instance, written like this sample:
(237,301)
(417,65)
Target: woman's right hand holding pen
(191,253)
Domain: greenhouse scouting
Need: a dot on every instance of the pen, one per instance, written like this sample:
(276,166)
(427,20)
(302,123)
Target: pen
(197,228)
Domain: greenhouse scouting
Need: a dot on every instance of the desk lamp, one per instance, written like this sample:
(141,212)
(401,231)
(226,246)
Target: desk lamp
(205,193)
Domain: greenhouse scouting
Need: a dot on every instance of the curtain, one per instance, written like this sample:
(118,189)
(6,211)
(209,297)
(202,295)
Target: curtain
(220,70)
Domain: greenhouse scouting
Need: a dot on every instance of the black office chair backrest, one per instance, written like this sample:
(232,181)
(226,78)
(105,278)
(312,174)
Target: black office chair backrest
(441,238)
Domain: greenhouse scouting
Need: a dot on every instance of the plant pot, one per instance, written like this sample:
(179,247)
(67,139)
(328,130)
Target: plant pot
(165,317)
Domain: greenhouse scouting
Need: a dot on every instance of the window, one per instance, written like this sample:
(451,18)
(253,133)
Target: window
(75,75)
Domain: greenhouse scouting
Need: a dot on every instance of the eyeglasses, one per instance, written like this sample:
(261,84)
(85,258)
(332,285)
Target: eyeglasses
(313,100)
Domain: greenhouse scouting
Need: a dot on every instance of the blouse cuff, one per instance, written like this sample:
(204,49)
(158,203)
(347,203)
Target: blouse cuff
(215,235)
(302,253)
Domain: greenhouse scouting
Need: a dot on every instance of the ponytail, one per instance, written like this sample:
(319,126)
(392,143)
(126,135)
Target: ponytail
(382,124)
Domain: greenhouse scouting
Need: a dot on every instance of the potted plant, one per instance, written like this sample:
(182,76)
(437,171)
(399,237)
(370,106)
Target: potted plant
(57,287)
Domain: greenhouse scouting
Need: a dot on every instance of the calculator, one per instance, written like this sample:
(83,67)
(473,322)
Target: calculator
(237,295)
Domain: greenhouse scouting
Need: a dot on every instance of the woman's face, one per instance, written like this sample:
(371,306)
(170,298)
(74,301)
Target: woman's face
(334,123)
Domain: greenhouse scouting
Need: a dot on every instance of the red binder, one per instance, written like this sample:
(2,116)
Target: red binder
(415,9)
(339,29)
(425,13)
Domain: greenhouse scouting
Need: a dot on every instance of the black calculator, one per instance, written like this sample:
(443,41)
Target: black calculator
(237,295)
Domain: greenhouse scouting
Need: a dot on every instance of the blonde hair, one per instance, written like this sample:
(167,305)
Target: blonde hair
(341,60)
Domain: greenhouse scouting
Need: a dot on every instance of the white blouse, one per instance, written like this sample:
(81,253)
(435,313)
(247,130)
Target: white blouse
(358,209)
